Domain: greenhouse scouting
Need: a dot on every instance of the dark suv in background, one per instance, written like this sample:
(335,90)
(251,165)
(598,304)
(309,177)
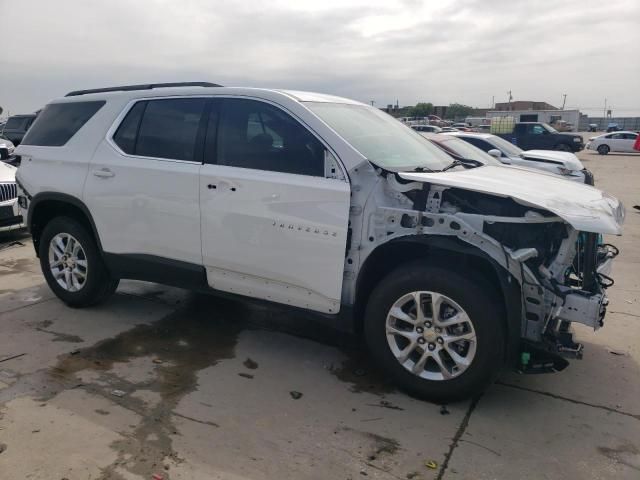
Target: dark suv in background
(17,126)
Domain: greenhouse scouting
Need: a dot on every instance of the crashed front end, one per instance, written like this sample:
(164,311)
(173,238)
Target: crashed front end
(545,232)
(562,282)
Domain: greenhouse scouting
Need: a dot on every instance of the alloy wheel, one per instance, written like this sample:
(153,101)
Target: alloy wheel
(431,335)
(68,262)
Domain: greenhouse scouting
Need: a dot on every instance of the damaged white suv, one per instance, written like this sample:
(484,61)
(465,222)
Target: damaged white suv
(450,269)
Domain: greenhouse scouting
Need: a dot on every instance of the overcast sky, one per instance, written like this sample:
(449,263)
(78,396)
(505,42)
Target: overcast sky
(440,51)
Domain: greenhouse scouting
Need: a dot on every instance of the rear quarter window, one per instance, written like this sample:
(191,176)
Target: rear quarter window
(58,122)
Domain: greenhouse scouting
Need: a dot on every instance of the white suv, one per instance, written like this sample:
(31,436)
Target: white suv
(450,270)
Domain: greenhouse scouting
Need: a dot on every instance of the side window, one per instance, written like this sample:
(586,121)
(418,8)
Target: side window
(631,136)
(58,122)
(127,132)
(616,136)
(169,128)
(536,129)
(256,135)
(481,144)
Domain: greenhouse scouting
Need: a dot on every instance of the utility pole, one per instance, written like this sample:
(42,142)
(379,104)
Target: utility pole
(493,102)
(372,102)
(604,113)
(510,98)
(564,99)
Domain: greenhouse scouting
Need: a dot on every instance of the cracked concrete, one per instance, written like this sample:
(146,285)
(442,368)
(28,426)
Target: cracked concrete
(159,381)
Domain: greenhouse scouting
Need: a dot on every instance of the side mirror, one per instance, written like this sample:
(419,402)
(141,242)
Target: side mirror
(497,154)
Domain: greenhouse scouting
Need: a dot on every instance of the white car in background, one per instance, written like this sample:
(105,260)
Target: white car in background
(6,148)
(10,218)
(613,142)
(426,128)
(560,163)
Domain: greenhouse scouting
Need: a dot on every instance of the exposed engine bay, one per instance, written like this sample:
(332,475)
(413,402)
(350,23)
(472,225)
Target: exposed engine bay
(562,272)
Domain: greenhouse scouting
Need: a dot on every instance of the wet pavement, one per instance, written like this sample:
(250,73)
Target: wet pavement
(160,381)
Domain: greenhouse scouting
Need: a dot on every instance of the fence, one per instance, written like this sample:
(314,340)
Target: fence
(625,123)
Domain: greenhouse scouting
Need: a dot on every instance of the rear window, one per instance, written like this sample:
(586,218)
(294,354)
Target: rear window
(58,122)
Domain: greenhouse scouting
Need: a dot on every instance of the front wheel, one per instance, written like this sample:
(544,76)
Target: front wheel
(72,264)
(603,149)
(437,333)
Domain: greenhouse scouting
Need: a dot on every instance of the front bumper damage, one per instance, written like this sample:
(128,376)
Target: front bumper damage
(573,291)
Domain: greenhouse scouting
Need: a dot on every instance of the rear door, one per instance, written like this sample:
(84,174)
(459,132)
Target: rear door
(274,224)
(143,182)
(616,142)
(628,141)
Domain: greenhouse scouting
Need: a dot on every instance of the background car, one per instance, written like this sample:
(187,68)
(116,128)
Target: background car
(6,148)
(613,142)
(426,128)
(17,126)
(10,218)
(559,163)
(458,148)
(613,127)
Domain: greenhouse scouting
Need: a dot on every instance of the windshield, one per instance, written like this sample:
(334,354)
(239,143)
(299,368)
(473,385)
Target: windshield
(549,128)
(507,147)
(465,150)
(380,138)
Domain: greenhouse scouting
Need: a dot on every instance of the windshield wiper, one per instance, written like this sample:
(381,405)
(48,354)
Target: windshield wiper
(463,162)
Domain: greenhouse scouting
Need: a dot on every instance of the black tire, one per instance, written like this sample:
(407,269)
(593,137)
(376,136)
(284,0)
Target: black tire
(603,149)
(562,147)
(98,285)
(477,300)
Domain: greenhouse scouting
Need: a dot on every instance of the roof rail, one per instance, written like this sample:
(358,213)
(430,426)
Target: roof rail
(145,86)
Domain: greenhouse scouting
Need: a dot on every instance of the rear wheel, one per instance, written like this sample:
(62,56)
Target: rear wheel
(438,334)
(72,264)
(603,149)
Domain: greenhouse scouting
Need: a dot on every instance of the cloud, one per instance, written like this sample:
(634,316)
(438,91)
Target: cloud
(446,51)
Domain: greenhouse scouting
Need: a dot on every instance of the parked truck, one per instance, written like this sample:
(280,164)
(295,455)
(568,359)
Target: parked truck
(535,135)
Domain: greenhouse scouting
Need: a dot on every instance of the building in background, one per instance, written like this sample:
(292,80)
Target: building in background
(517,105)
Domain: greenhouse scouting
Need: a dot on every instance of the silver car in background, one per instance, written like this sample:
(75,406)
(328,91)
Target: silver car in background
(559,163)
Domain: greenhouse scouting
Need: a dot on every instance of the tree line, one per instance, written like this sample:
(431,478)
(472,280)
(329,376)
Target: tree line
(454,110)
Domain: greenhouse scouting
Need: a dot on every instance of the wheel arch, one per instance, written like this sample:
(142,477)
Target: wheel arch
(445,252)
(45,206)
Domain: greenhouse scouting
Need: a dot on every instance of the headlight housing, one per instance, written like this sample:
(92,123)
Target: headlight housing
(565,171)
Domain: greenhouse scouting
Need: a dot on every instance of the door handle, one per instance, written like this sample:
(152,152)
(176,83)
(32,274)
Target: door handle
(103,173)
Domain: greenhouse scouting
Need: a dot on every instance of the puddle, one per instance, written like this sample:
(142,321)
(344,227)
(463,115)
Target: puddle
(359,372)
(57,336)
(199,334)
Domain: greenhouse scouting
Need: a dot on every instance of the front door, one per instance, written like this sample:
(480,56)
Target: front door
(273,226)
(537,137)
